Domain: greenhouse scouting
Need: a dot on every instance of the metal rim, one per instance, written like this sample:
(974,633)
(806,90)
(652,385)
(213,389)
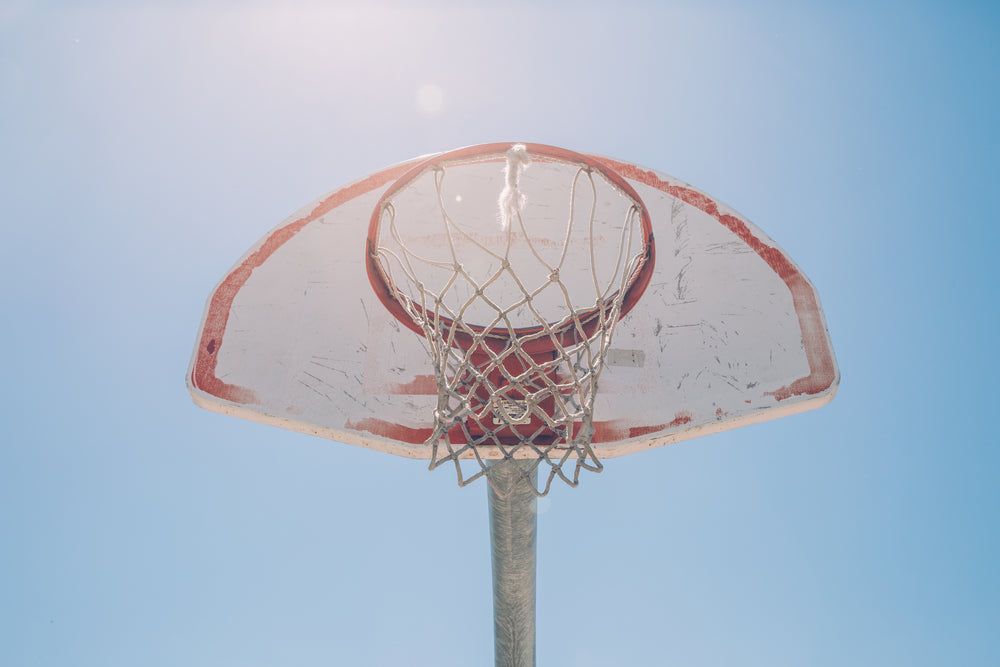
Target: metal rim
(498,338)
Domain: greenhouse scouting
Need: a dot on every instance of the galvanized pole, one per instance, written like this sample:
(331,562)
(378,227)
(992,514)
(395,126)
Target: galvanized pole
(513,531)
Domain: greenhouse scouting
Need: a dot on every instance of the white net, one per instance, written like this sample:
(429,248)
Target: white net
(516,277)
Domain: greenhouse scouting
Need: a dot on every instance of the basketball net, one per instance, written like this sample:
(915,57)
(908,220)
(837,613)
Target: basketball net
(520,383)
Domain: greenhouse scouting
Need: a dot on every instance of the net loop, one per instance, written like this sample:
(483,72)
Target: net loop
(518,306)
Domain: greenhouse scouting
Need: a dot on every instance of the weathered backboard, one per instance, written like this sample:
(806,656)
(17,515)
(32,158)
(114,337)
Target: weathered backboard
(728,332)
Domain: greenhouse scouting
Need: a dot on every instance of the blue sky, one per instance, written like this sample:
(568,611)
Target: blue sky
(144,147)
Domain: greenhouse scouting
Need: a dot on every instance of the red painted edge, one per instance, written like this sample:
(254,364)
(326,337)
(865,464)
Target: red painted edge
(391,430)
(217,316)
(607,431)
(822,368)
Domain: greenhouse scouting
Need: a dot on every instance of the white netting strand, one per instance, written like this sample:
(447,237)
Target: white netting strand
(519,319)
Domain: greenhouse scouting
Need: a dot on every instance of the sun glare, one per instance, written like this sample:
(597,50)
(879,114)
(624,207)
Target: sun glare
(430,99)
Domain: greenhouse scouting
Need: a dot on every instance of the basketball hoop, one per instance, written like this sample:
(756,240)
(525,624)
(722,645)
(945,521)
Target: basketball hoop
(515,263)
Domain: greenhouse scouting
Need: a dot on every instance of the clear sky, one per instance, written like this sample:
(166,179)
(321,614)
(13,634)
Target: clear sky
(145,146)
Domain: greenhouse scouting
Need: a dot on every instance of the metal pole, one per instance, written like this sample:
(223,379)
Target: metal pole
(513,530)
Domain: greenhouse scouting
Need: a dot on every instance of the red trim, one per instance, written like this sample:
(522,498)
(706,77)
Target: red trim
(217,316)
(391,430)
(607,431)
(822,368)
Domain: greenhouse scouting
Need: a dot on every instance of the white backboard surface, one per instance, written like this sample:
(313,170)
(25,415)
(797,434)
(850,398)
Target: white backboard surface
(729,331)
